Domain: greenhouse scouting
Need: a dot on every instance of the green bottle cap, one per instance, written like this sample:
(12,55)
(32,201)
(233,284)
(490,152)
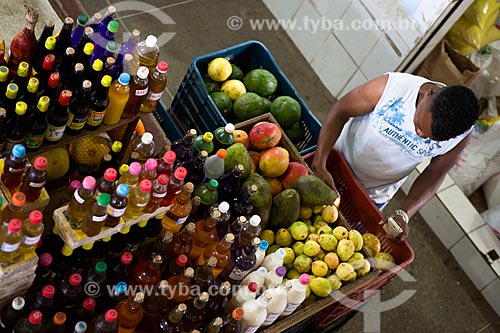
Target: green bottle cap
(50,43)
(82,19)
(113,26)
(21,108)
(213,184)
(43,103)
(4,73)
(22,69)
(88,49)
(12,90)
(106,81)
(103,199)
(100,267)
(33,85)
(97,65)
(111,46)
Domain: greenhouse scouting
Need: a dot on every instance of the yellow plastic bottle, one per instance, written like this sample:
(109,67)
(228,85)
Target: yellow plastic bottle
(119,93)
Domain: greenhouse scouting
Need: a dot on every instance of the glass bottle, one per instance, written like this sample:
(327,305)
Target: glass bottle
(221,251)
(179,210)
(4,75)
(118,293)
(58,323)
(79,108)
(74,79)
(204,142)
(48,31)
(251,229)
(11,313)
(223,136)
(69,192)
(17,127)
(195,173)
(77,33)
(182,241)
(83,56)
(149,170)
(117,205)
(242,203)
(119,268)
(208,193)
(166,164)
(242,261)
(153,306)
(35,179)
(130,64)
(21,78)
(71,292)
(220,300)
(106,184)
(136,236)
(82,259)
(170,323)
(10,99)
(131,177)
(65,64)
(85,311)
(196,313)
(93,74)
(108,17)
(144,145)
(63,38)
(43,275)
(175,185)
(127,47)
(176,266)
(147,273)
(81,202)
(147,52)
(3,129)
(14,167)
(243,294)
(104,322)
(57,118)
(36,130)
(138,200)
(62,264)
(46,68)
(233,322)
(229,184)
(235,228)
(180,287)
(296,294)
(138,92)
(130,313)
(159,246)
(99,101)
(214,165)
(95,220)
(95,22)
(255,312)
(225,217)
(30,98)
(158,192)
(183,148)
(87,37)
(30,324)
(23,45)
(119,93)
(204,235)
(10,238)
(203,275)
(195,215)
(157,83)
(32,230)
(153,230)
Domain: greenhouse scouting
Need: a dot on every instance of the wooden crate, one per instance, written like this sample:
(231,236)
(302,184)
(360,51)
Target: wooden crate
(15,279)
(76,238)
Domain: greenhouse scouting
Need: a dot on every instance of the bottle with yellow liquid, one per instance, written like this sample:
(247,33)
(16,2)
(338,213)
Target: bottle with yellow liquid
(10,238)
(157,83)
(138,199)
(147,52)
(32,231)
(179,210)
(118,94)
(131,176)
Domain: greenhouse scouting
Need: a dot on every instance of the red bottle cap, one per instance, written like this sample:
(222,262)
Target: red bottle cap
(145,185)
(75,184)
(163,179)
(35,317)
(181,260)
(45,259)
(126,258)
(75,279)
(110,174)
(253,286)
(18,199)
(64,97)
(48,62)
(54,80)
(35,217)
(221,153)
(180,173)
(41,163)
(169,156)
(111,315)
(162,66)
(15,225)
(48,291)
(89,303)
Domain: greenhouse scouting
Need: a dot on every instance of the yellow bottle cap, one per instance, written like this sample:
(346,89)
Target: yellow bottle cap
(106,81)
(4,73)
(88,49)
(123,169)
(116,147)
(22,70)
(43,103)
(208,137)
(21,108)
(50,43)
(66,251)
(12,90)
(88,246)
(125,230)
(143,223)
(33,85)
(97,65)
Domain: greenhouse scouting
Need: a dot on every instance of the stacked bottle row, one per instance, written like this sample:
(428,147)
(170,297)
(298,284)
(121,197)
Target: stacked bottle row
(77,79)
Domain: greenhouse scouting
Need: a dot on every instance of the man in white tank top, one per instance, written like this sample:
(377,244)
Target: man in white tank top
(387,126)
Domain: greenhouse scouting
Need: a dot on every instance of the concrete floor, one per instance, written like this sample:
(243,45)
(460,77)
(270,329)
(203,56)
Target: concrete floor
(444,299)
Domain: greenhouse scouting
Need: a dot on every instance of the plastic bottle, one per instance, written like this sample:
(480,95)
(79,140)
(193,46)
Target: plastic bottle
(95,220)
(30,324)
(61,264)
(32,230)
(80,327)
(195,173)
(58,323)
(10,238)
(204,142)
(147,52)
(14,210)
(273,260)
(225,217)
(11,312)
(275,277)
(145,146)
(104,323)
(255,312)
(35,179)
(71,292)
(106,184)
(43,274)
(81,202)
(138,200)
(207,193)
(44,301)
(131,176)
(117,205)
(157,83)
(278,303)
(223,136)
(36,130)
(158,192)
(57,118)
(251,229)
(118,94)
(260,254)
(97,276)
(130,313)
(119,268)
(296,295)
(214,165)
(118,294)
(149,169)
(138,92)
(175,185)
(258,276)
(14,167)
(166,164)
(179,210)
(243,294)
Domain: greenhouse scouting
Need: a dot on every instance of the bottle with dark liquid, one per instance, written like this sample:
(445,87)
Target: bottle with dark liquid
(195,172)
(14,167)
(18,127)
(104,323)
(58,323)
(233,322)
(242,261)
(57,118)
(35,179)
(203,276)
(138,92)
(117,205)
(183,148)
(196,313)
(63,39)
(30,324)
(11,313)
(153,306)
(229,184)
(36,129)
(171,323)
(99,101)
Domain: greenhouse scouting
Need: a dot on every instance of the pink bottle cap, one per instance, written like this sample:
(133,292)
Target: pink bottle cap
(180,173)
(35,217)
(253,286)
(181,260)
(145,185)
(89,303)
(40,163)
(15,225)
(126,258)
(135,168)
(45,259)
(75,279)
(48,291)
(110,174)
(163,179)
(75,184)
(88,183)
(35,317)
(169,156)
(111,315)
(304,278)
(151,164)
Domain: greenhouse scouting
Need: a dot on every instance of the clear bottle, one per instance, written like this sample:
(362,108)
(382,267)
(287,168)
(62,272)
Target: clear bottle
(95,220)
(30,324)
(166,164)
(32,230)
(275,277)
(260,254)
(10,238)
(157,83)
(58,323)
(35,179)
(214,165)
(130,64)
(229,184)
(14,165)
(183,148)
(11,313)
(158,192)
(195,173)
(147,52)
(138,92)
(225,218)
(145,146)
(204,235)
(170,323)
(131,176)
(118,94)
(36,130)
(57,117)
(223,136)
(251,229)
(138,200)
(106,184)
(70,292)
(117,205)
(81,202)
(255,312)
(258,276)
(204,142)
(242,261)
(130,313)
(104,323)
(296,295)
(195,313)
(17,125)
(233,321)
(175,185)
(221,251)
(274,260)
(149,169)
(179,210)
(278,303)
(243,294)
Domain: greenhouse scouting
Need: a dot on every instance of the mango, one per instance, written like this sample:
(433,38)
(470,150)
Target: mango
(313,191)
(264,135)
(294,171)
(273,162)
(345,249)
(285,209)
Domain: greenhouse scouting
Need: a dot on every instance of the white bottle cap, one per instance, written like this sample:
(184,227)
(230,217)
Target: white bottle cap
(147,138)
(280,253)
(223,207)
(18,303)
(151,41)
(143,72)
(255,220)
(229,128)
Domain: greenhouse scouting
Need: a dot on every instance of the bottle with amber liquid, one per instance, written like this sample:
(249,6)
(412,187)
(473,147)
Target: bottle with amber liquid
(179,211)
(196,313)
(23,46)
(35,179)
(138,92)
(147,273)
(14,210)
(204,235)
(171,323)
(93,223)
(182,241)
(221,251)
(117,205)
(175,185)
(10,239)
(180,287)
(130,313)
(153,306)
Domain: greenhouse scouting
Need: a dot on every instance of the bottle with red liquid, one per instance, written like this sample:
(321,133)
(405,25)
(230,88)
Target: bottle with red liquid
(149,170)
(44,301)
(117,205)
(166,164)
(71,292)
(30,324)
(147,273)
(175,185)
(182,241)
(183,148)
(35,179)
(23,45)
(158,193)
(104,323)
(14,167)
(106,184)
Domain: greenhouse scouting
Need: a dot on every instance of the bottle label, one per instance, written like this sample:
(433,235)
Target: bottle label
(78,198)
(251,329)
(54,133)
(32,141)
(290,307)
(94,118)
(6,247)
(76,122)
(115,212)
(155,96)
(141,92)
(30,240)
(141,204)
(99,218)
(159,195)
(237,274)
(181,220)
(271,317)
(12,170)
(36,185)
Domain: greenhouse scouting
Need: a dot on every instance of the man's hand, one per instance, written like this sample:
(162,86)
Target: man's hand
(324,175)
(393,234)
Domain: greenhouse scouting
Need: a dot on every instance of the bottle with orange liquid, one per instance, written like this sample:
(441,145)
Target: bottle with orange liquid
(180,287)
(221,251)
(204,235)
(118,94)
(130,313)
(180,209)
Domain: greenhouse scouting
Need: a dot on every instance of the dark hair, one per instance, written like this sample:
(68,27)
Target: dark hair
(454,111)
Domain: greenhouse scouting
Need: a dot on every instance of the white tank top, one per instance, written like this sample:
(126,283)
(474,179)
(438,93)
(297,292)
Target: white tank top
(382,146)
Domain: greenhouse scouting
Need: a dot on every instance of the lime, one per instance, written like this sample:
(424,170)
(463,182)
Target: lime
(223,102)
(261,81)
(237,73)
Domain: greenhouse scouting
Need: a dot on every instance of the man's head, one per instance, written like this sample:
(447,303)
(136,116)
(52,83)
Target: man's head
(444,113)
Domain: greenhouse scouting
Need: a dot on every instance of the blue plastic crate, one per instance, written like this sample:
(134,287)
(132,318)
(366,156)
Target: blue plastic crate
(167,122)
(192,106)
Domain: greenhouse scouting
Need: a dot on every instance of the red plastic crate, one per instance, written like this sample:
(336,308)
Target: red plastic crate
(362,215)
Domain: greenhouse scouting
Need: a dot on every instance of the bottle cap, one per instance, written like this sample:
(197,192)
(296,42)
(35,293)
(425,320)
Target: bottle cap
(70,52)
(113,26)
(18,199)
(88,49)
(59,318)
(208,137)
(135,168)
(69,21)
(103,199)
(142,72)
(262,271)
(224,207)
(221,153)
(192,132)
(169,156)
(50,43)
(97,65)
(35,317)
(255,221)
(191,227)
(151,41)
(100,267)
(110,11)
(181,260)
(106,81)
(203,154)
(21,108)
(89,246)
(66,251)
(110,174)
(157,259)
(182,307)
(238,313)
(304,279)
(229,128)
(40,163)
(288,284)
(12,90)
(79,69)
(82,19)
(89,303)
(96,18)
(65,97)
(122,190)
(22,69)
(45,259)
(145,185)
(167,236)
(15,225)
(19,151)
(162,66)
(33,85)
(253,286)
(139,297)
(212,261)
(126,258)
(189,272)
(116,147)
(88,183)
(4,73)
(48,291)
(280,271)
(147,138)
(111,315)
(213,184)
(75,279)
(43,103)
(111,46)
(18,303)
(180,173)
(48,62)
(121,287)
(74,185)
(35,217)
(163,179)
(151,164)
(80,327)
(263,245)
(54,80)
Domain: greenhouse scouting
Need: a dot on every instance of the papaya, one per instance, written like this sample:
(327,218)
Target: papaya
(285,209)
(263,196)
(223,103)
(313,191)
(238,154)
(264,213)
(261,81)
(248,105)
